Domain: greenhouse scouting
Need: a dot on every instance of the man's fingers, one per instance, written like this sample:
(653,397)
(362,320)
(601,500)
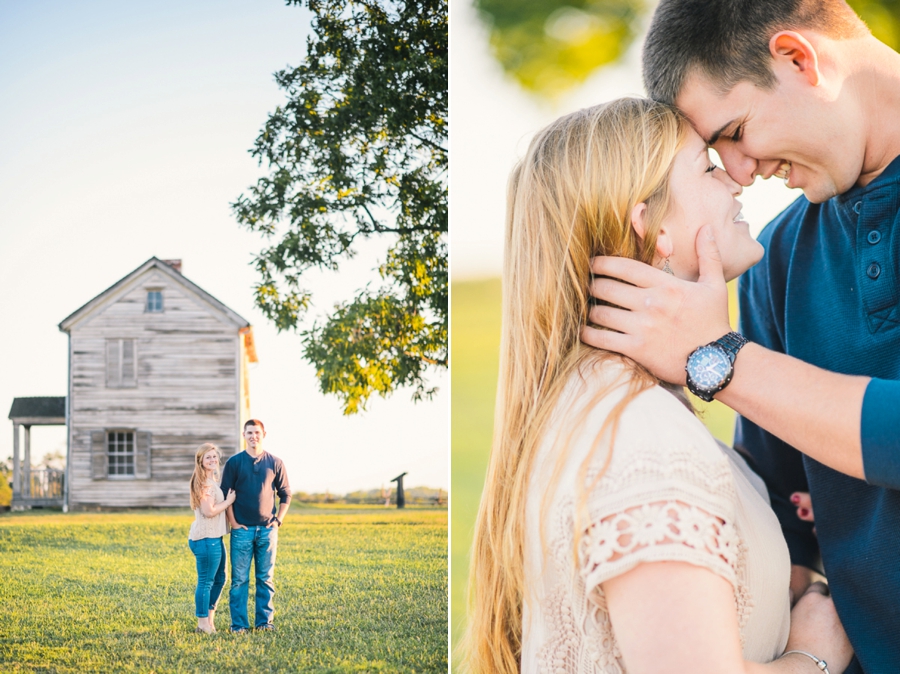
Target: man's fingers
(626,269)
(605,339)
(620,320)
(616,292)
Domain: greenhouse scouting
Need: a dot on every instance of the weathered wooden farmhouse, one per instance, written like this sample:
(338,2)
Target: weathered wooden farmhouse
(157,366)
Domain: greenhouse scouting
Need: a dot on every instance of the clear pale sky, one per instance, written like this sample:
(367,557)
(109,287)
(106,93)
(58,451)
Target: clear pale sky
(124,130)
(492,122)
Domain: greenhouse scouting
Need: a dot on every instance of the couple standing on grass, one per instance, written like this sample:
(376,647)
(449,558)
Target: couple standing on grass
(615,534)
(252,479)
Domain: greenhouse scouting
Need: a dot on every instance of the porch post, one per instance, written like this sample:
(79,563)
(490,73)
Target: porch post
(26,492)
(17,484)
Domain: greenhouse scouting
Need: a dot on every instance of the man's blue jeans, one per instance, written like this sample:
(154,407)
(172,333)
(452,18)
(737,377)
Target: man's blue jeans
(210,555)
(256,544)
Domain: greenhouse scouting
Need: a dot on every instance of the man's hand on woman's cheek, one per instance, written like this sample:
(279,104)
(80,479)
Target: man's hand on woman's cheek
(658,320)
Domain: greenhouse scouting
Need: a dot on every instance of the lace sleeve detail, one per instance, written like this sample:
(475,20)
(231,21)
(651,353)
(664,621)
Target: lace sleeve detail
(663,531)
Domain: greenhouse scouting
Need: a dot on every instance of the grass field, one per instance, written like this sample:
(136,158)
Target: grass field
(358,589)
(475,311)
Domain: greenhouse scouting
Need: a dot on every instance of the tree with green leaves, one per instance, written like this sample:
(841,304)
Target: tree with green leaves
(359,151)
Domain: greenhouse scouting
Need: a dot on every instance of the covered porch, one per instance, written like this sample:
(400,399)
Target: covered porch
(35,487)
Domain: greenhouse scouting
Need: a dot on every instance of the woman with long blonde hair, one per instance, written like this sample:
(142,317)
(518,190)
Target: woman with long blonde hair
(207,530)
(614,533)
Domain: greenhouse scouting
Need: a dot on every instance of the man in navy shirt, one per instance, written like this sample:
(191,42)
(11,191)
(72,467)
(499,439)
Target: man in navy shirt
(797,89)
(256,477)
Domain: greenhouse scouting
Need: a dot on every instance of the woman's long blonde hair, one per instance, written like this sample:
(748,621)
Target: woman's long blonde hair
(569,199)
(199,478)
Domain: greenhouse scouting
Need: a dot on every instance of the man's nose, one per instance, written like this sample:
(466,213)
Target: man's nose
(740,167)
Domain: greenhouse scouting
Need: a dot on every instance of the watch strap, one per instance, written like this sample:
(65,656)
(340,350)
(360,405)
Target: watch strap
(732,343)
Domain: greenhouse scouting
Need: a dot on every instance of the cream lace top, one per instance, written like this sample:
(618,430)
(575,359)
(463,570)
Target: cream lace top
(209,527)
(670,492)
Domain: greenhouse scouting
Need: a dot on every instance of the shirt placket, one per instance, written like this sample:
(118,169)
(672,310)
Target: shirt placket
(876,278)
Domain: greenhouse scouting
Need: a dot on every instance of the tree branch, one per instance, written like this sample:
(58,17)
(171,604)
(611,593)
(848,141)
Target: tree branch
(427,142)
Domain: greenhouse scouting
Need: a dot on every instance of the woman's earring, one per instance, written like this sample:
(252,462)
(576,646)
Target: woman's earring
(667,268)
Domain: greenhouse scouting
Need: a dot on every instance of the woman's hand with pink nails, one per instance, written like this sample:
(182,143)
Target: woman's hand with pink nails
(803,503)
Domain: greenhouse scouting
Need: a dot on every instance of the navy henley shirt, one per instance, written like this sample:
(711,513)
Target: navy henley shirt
(827,292)
(255,482)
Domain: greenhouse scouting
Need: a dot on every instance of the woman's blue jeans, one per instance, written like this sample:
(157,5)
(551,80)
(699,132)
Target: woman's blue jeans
(210,555)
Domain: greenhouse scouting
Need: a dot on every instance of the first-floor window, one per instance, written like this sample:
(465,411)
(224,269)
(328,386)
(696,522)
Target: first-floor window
(120,453)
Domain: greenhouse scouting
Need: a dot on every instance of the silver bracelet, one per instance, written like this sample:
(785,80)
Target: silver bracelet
(821,664)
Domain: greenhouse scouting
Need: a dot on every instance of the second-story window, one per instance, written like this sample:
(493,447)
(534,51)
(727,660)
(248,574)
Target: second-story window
(154,301)
(121,363)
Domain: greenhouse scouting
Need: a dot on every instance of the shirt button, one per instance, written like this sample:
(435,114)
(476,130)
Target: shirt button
(873,271)
(857,207)
(874,237)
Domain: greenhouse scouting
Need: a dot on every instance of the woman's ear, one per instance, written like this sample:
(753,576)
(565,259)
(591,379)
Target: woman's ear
(639,219)
(664,244)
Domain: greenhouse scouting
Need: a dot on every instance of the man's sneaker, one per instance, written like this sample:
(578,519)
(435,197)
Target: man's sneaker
(240,630)
(268,627)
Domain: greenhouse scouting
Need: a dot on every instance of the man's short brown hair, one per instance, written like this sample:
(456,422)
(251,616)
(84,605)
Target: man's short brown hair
(254,422)
(728,40)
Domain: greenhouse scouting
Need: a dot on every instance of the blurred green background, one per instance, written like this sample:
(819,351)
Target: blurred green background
(550,46)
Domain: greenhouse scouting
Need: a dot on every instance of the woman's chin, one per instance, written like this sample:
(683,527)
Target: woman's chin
(749,259)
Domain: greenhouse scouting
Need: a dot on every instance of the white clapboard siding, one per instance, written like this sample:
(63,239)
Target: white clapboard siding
(191,388)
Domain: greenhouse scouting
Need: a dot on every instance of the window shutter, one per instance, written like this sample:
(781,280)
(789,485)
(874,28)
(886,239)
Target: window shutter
(113,373)
(142,456)
(98,455)
(129,377)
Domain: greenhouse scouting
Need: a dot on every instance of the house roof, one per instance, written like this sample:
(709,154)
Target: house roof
(50,407)
(124,284)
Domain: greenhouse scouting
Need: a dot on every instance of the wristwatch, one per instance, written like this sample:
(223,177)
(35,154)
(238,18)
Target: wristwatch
(279,521)
(710,368)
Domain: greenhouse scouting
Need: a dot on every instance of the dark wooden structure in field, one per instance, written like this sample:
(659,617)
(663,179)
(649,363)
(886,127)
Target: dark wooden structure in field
(44,487)
(401,497)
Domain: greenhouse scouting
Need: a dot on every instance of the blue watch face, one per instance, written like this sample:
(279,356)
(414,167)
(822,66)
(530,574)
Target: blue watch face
(708,366)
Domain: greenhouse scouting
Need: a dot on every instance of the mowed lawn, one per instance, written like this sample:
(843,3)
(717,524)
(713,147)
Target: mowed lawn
(475,330)
(358,589)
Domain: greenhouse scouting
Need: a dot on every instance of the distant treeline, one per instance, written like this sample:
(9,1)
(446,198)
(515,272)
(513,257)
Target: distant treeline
(414,496)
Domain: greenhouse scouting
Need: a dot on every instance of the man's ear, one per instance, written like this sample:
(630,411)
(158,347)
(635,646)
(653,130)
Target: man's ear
(790,47)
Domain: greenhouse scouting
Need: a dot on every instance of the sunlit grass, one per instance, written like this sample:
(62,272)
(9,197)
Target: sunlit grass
(357,590)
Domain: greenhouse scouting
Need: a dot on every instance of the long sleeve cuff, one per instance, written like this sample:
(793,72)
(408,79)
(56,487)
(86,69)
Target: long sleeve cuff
(879,437)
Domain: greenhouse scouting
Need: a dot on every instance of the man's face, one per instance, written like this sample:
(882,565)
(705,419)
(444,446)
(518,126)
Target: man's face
(792,132)
(254,436)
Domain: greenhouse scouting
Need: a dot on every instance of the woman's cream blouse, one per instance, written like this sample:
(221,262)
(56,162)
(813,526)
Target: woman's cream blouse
(209,527)
(670,492)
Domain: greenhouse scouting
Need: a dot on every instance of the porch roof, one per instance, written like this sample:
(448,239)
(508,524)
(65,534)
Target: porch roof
(39,410)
